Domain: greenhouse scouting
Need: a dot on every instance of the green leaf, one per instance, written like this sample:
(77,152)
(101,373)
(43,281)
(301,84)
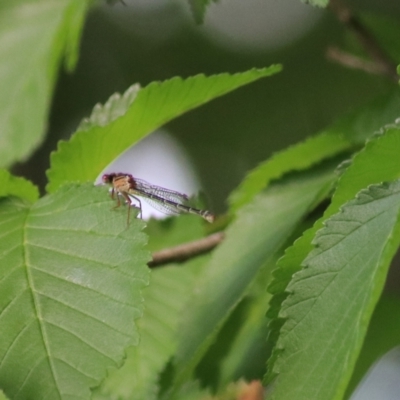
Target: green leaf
(316,3)
(89,152)
(71,276)
(258,232)
(375,163)
(174,231)
(380,151)
(248,350)
(13,186)
(331,300)
(298,157)
(346,134)
(192,390)
(198,8)
(71,30)
(363,123)
(33,34)
(3,396)
(164,300)
(115,107)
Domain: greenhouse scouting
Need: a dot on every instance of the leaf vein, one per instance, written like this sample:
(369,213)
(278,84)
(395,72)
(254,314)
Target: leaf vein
(80,339)
(85,314)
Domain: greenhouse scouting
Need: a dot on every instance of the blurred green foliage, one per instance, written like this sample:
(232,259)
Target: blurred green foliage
(122,45)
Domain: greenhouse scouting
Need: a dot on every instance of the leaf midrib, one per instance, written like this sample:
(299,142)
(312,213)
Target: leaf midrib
(36,303)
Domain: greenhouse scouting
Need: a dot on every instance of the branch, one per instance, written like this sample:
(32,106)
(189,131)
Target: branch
(187,250)
(383,64)
(351,61)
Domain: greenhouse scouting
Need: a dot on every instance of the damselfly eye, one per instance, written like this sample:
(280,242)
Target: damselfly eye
(106,178)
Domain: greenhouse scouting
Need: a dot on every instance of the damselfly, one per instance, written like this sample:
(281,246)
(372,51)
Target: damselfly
(165,200)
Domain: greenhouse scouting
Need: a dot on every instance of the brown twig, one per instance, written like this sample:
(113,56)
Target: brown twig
(186,250)
(382,62)
(351,61)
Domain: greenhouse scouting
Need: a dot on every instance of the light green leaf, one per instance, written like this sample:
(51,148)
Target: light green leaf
(331,300)
(71,30)
(258,232)
(164,300)
(115,107)
(13,186)
(298,157)
(89,152)
(346,134)
(377,162)
(249,349)
(240,348)
(33,34)
(316,3)
(363,123)
(70,278)
(3,396)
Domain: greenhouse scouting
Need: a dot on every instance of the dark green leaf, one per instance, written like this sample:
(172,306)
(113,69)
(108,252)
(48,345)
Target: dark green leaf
(248,352)
(331,300)
(386,30)
(375,163)
(199,8)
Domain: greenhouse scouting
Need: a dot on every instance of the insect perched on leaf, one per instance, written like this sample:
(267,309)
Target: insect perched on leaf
(165,200)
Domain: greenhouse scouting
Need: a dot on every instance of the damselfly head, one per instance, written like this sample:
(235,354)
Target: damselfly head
(108,178)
